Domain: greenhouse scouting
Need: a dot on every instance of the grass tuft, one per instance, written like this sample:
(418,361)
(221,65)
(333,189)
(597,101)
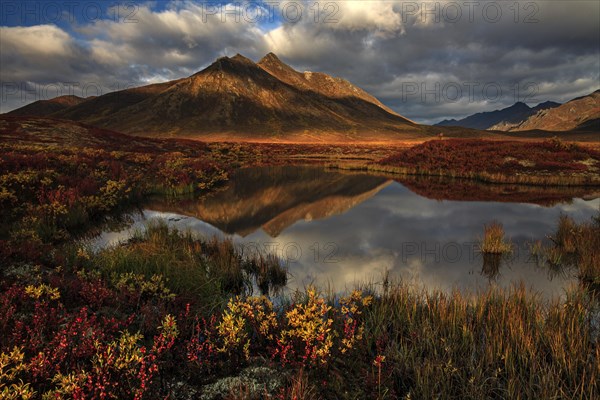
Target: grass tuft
(494,241)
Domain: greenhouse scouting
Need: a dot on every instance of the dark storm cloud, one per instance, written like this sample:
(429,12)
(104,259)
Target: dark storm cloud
(414,62)
(554,56)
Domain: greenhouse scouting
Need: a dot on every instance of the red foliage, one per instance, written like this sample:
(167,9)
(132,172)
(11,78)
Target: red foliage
(61,195)
(64,335)
(472,156)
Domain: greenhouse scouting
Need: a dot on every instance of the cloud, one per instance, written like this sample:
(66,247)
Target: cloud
(544,45)
(106,55)
(378,18)
(378,45)
(41,62)
(182,39)
(37,52)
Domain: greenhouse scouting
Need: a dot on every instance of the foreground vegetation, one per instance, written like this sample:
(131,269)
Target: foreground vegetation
(60,180)
(159,317)
(171,315)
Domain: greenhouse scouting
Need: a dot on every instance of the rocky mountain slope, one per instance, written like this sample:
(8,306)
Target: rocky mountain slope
(235,97)
(516,113)
(582,113)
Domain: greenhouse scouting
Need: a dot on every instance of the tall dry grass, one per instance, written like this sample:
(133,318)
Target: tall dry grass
(496,344)
(494,241)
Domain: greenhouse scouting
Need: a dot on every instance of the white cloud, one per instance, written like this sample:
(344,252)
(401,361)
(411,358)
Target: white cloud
(379,17)
(173,38)
(34,41)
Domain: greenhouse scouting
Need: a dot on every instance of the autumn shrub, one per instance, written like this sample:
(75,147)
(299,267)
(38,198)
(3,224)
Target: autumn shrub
(245,324)
(550,161)
(58,337)
(309,333)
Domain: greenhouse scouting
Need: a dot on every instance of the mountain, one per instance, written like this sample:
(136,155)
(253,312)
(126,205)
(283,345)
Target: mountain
(43,108)
(582,113)
(97,109)
(318,82)
(546,105)
(486,120)
(235,97)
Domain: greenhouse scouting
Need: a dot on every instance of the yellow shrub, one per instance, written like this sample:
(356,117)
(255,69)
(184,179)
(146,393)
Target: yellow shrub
(11,387)
(240,318)
(66,385)
(155,286)
(352,308)
(36,292)
(309,326)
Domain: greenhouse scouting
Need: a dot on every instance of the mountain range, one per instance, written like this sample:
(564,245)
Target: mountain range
(235,98)
(582,113)
(579,114)
(485,120)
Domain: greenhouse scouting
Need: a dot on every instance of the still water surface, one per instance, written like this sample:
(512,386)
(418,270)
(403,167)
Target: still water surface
(336,229)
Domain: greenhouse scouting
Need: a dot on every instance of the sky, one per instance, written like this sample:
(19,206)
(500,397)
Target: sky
(427,60)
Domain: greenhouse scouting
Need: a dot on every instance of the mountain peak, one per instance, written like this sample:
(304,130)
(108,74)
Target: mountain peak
(228,64)
(272,61)
(274,66)
(519,104)
(270,57)
(240,58)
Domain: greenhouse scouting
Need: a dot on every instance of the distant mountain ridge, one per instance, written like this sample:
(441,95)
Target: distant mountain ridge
(579,114)
(235,97)
(43,108)
(486,120)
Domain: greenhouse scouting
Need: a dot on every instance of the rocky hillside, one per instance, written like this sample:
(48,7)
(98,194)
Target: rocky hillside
(582,113)
(237,98)
(514,114)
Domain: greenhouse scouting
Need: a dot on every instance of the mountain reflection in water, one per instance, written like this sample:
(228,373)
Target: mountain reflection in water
(274,198)
(341,228)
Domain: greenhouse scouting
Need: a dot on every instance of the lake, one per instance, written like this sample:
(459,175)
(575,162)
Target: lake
(335,229)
